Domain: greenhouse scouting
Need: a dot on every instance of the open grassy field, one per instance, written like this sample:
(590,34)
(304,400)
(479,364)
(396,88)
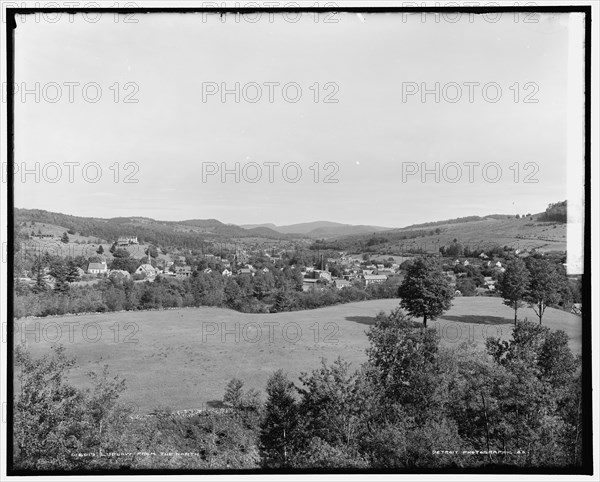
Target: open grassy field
(183,358)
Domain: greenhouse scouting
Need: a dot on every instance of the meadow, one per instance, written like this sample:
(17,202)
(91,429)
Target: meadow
(183,358)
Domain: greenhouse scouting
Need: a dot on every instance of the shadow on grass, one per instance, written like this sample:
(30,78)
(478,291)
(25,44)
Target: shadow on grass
(479,319)
(370,321)
(363,320)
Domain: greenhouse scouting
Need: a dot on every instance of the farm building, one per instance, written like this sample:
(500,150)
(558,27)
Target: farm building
(309,284)
(322,274)
(374,278)
(127,240)
(183,271)
(341,283)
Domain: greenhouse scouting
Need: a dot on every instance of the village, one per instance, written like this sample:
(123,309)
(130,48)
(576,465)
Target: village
(339,270)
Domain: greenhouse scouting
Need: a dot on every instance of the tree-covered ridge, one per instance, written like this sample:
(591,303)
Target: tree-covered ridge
(189,234)
(555,212)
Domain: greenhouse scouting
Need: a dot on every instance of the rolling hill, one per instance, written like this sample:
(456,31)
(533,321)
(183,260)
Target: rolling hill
(186,234)
(474,232)
(544,231)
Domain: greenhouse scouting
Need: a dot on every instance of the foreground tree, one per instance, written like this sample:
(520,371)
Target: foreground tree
(54,421)
(513,284)
(538,399)
(546,283)
(403,359)
(279,428)
(425,291)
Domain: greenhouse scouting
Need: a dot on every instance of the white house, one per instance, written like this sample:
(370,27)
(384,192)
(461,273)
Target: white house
(226,272)
(489,283)
(97,268)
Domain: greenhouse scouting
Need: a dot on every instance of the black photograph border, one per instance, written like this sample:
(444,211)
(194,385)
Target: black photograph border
(587,441)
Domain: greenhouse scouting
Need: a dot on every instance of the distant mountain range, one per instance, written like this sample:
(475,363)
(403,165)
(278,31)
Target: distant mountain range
(319,229)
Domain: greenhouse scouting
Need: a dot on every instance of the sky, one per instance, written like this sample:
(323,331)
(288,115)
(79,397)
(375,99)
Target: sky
(128,119)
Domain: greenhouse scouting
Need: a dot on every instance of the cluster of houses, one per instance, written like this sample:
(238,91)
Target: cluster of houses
(353,272)
(489,283)
(169,270)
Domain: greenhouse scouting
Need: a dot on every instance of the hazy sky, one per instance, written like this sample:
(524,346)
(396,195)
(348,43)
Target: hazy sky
(376,131)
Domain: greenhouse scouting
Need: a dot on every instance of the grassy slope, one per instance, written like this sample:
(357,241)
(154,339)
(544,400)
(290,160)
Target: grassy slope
(513,232)
(171,364)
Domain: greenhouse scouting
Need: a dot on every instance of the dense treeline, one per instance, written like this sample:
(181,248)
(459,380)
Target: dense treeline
(555,212)
(364,243)
(412,405)
(262,293)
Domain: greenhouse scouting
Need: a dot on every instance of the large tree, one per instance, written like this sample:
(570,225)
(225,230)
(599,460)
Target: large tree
(425,291)
(546,283)
(513,284)
(279,429)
